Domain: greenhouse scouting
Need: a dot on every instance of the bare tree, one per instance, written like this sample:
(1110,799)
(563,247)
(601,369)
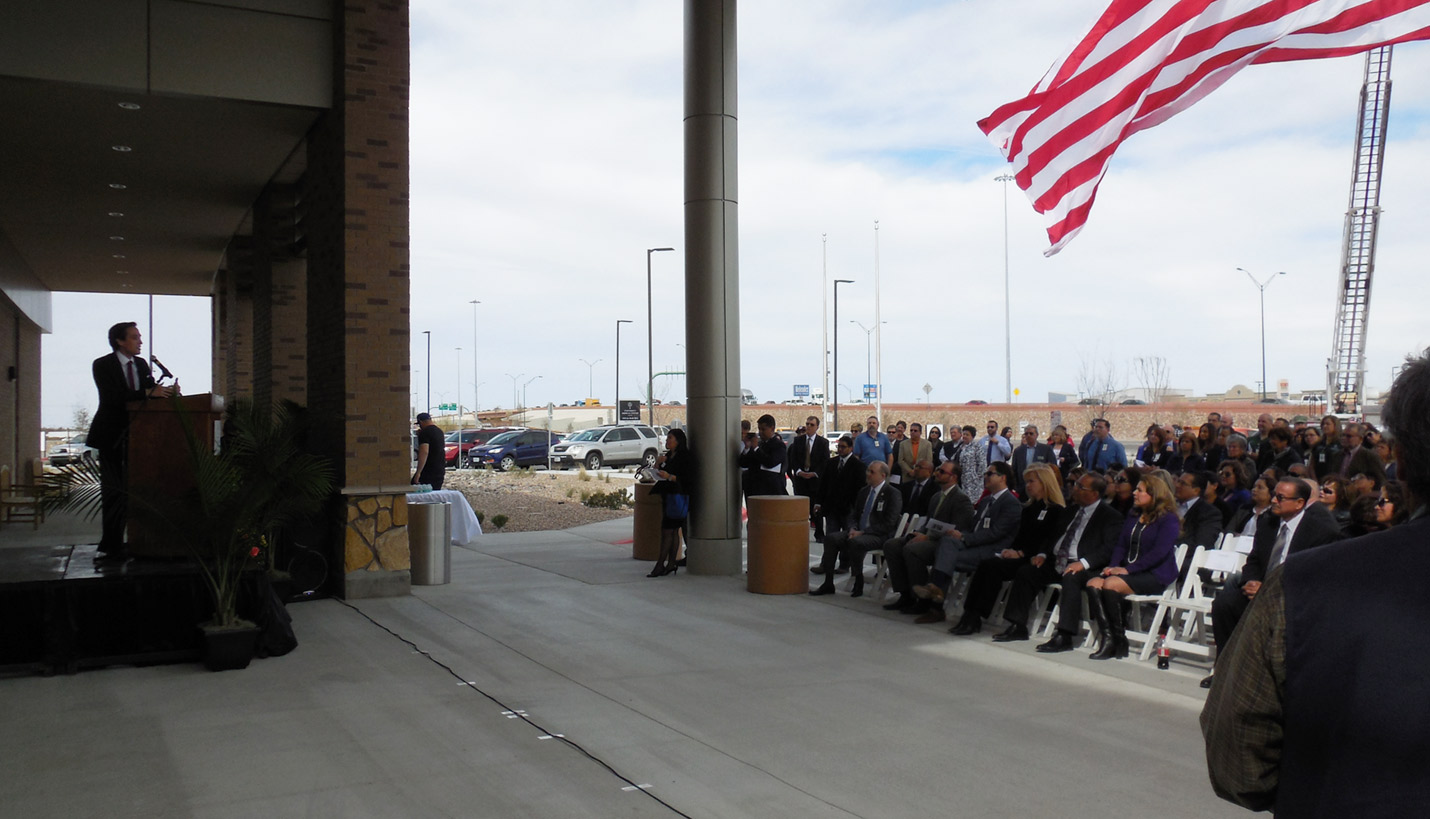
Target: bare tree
(81,419)
(1155,376)
(1097,380)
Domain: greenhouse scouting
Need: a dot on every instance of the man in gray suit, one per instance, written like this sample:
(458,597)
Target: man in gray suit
(875,516)
(1031,451)
(995,524)
(908,557)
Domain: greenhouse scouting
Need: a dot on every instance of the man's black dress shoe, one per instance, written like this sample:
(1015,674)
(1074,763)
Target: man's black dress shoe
(968,624)
(827,587)
(1059,642)
(901,603)
(1014,633)
(1207,681)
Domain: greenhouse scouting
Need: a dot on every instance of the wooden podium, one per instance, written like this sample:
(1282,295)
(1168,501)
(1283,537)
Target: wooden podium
(159,463)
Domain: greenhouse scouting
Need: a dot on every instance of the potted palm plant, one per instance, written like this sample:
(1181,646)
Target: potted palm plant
(243,496)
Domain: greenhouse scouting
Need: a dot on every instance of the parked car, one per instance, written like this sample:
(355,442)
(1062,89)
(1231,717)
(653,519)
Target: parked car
(1133,402)
(71,452)
(460,442)
(613,445)
(509,450)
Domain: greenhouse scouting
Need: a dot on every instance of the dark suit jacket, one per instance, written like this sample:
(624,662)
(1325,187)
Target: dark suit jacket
(766,465)
(1201,525)
(995,523)
(1317,528)
(1041,454)
(838,487)
(111,420)
(1038,528)
(918,505)
(1067,459)
(956,508)
(884,517)
(817,459)
(1098,537)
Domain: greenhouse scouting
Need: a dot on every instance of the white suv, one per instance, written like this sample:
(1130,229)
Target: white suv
(613,445)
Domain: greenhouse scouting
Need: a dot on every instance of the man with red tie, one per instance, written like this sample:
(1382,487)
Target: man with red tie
(121,377)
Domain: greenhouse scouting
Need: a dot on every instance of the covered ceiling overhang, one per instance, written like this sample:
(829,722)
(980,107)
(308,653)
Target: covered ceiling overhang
(138,133)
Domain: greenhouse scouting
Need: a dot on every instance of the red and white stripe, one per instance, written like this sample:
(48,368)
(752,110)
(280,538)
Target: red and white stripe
(1145,60)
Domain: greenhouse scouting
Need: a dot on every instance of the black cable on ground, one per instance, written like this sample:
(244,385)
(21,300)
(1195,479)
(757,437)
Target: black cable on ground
(518,714)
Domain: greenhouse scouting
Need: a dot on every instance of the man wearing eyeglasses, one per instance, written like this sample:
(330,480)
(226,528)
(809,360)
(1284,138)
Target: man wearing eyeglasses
(1294,525)
(1319,705)
(808,453)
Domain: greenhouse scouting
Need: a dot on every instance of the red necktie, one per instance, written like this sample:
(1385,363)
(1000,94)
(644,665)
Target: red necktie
(133,382)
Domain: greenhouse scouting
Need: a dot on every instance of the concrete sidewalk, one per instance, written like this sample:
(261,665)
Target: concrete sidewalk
(677,695)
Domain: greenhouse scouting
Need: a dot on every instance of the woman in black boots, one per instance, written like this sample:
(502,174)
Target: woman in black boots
(1143,562)
(675,471)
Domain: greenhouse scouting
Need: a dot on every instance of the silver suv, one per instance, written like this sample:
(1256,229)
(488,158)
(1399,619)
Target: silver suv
(613,445)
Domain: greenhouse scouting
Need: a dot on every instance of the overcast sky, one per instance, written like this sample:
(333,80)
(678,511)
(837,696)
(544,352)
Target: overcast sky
(546,157)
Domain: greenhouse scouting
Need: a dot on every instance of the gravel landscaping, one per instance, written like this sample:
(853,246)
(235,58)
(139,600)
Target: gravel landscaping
(535,499)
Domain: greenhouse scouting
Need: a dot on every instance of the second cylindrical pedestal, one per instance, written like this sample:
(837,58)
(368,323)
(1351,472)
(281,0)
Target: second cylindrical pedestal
(778,556)
(645,538)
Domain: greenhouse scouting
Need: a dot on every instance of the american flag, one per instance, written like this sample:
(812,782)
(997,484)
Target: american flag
(1144,61)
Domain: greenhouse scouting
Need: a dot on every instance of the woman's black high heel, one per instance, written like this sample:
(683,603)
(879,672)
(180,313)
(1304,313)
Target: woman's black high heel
(658,571)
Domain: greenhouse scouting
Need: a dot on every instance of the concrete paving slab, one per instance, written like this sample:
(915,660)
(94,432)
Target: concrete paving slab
(723,703)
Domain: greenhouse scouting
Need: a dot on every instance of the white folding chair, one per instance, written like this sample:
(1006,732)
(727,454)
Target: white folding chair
(1134,628)
(881,573)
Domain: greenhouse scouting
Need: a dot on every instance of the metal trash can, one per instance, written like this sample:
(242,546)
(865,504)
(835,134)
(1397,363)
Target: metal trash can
(429,536)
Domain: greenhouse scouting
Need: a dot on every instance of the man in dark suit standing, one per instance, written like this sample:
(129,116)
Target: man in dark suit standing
(765,459)
(1294,525)
(121,377)
(1319,705)
(876,511)
(808,453)
(839,484)
(1031,451)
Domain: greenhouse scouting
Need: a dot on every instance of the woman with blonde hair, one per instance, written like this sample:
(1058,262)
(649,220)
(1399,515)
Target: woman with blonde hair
(1143,562)
(1038,531)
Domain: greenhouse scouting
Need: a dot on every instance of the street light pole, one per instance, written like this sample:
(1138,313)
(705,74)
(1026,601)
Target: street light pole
(824,330)
(1005,178)
(1261,286)
(590,376)
(650,336)
(476,404)
(868,342)
(837,282)
(619,322)
(428,333)
(523,395)
(459,389)
(513,388)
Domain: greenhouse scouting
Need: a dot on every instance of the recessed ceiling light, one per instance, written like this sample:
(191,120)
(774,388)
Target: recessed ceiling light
(129,106)
(116,238)
(126,284)
(122,272)
(116,214)
(117,186)
(119,255)
(123,149)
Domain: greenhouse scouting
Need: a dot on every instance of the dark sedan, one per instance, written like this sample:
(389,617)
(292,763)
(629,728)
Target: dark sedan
(523,447)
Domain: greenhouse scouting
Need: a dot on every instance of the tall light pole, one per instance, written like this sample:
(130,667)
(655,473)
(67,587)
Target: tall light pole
(590,375)
(878,336)
(619,322)
(1005,178)
(868,336)
(428,333)
(514,379)
(459,389)
(476,383)
(649,336)
(1261,286)
(837,282)
(523,394)
(824,329)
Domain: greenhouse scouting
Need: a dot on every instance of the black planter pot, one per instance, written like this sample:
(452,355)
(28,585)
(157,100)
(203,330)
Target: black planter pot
(228,649)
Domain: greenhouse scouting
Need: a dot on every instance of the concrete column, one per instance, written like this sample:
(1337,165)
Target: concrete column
(712,284)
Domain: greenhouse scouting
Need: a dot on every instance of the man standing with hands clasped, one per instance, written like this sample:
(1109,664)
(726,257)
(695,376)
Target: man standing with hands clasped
(121,377)
(431,453)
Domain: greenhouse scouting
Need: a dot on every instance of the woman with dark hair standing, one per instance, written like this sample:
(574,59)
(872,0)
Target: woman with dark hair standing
(1143,562)
(1207,444)
(675,471)
(1325,457)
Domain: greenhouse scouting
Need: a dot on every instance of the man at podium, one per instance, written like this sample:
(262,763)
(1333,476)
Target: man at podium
(121,377)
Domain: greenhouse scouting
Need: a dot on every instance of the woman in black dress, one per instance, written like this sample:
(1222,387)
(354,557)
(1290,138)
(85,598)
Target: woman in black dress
(675,470)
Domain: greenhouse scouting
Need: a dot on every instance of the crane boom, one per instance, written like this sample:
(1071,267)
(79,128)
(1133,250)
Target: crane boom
(1345,371)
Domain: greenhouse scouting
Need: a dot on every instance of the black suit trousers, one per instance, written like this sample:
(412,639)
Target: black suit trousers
(113,487)
(1227,608)
(1030,579)
(987,581)
(809,488)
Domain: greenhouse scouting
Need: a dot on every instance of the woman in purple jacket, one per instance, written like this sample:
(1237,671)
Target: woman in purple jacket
(1143,562)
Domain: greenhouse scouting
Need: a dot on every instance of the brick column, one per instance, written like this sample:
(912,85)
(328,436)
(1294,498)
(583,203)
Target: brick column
(356,201)
(233,329)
